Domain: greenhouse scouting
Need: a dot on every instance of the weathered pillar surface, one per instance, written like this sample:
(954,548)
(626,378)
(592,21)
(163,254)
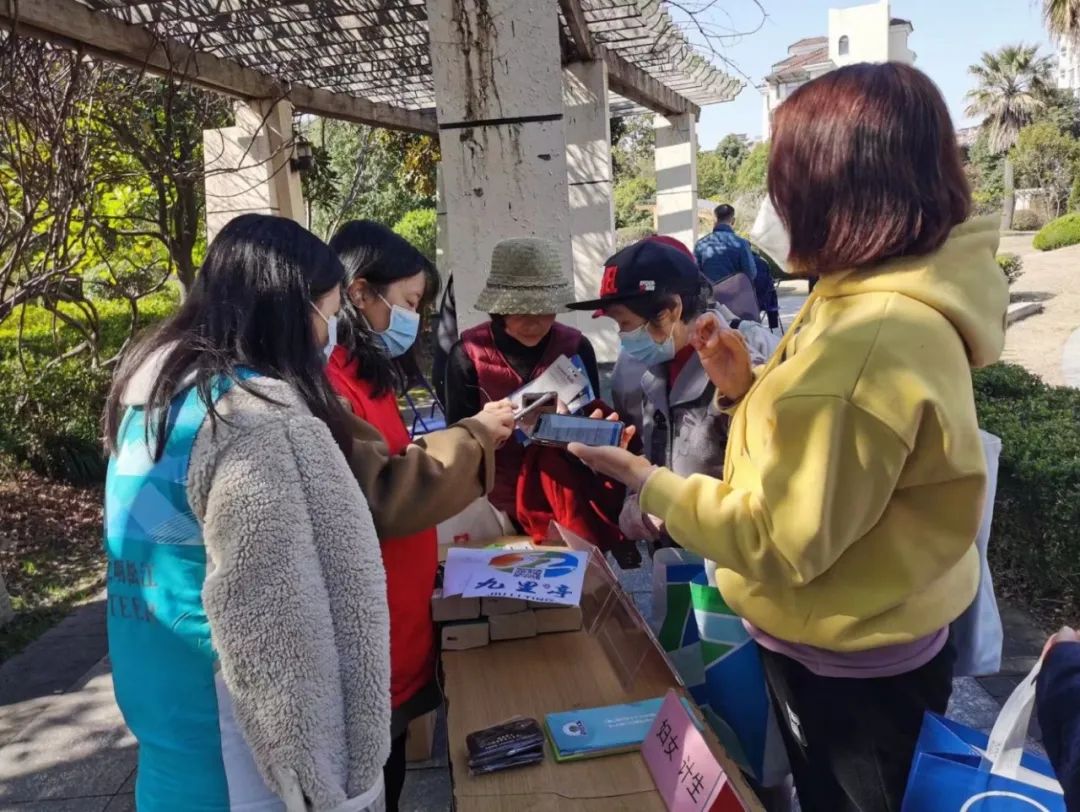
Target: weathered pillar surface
(442,233)
(498,90)
(592,209)
(247,167)
(676,177)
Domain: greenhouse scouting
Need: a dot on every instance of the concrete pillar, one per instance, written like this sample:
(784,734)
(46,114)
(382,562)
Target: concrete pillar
(247,166)
(498,91)
(676,177)
(442,233)
(592,207)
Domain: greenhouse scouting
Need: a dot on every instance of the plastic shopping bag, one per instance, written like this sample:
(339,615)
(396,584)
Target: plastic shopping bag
(957,769)
(977,634)
(480,521)
(719,662)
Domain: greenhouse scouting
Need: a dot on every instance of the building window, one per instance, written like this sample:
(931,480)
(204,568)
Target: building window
(844,46)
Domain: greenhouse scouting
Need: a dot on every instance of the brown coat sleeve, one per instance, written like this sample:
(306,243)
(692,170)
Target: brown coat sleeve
(434,478)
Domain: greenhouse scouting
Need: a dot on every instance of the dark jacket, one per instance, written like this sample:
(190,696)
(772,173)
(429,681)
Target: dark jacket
(488,373)
(1058,705)
(723,253)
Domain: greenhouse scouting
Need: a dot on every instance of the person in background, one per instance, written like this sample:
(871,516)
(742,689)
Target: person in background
(248,626)
(1058,706)
(844,528)
(655,295)
(723,253)
(386,283)
(526,288)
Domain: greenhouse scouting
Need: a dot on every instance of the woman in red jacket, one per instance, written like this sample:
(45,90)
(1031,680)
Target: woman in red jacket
(386,283)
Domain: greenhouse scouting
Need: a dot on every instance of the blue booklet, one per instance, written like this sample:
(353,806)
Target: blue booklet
(603,731)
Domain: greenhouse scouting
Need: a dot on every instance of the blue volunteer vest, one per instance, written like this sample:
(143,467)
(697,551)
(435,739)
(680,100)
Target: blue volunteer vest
(162,654)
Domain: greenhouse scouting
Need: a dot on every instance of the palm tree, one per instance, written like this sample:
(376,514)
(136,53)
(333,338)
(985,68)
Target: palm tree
(1014,84)
(1063,19)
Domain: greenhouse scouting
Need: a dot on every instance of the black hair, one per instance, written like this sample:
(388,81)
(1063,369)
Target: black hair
(250,307)
(694,302)
(724,212)
(373,252)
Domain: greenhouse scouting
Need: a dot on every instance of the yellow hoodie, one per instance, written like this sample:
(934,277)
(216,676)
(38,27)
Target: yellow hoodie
(854,479)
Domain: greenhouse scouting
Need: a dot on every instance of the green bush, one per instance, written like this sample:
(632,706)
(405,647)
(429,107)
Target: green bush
(1035,545)
(1011,265)
(1027,220)
(1059,233)
(52,409)
(628,235)
(418,227)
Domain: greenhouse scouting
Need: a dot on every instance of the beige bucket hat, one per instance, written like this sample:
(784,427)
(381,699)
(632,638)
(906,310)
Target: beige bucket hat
(526,277)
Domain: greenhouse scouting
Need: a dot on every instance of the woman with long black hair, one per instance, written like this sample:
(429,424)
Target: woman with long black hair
(248,626)
(387,283)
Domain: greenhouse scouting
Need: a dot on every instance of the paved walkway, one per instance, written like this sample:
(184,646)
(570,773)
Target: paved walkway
(1042,343)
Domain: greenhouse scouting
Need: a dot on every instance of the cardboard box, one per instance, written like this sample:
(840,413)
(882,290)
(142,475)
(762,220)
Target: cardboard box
(489,607)
(444,609)
(421,739)
(513,627)
(465,634)
(558,619)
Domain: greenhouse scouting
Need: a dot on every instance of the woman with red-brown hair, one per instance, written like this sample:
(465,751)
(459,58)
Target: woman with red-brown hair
(844,527)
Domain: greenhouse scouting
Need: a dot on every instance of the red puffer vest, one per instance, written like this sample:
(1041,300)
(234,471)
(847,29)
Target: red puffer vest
(410,561)
(497,380)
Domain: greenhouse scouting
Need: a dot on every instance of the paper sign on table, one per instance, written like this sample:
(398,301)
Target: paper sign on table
(687,774)
(460,562)
(541,576)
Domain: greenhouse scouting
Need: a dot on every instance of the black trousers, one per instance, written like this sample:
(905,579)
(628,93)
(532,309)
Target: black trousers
(394,773)
(851,741)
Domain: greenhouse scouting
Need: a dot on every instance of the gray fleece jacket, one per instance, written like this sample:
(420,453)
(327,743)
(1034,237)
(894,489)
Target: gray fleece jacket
(295,597)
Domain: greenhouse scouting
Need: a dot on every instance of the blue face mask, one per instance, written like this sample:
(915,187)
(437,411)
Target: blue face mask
(401,333)
(643,348)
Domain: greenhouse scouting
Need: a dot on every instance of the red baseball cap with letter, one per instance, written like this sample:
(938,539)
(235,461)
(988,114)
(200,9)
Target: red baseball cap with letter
(656,264)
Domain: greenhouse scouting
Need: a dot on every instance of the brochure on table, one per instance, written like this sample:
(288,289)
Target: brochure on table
(603,731)
(537,575)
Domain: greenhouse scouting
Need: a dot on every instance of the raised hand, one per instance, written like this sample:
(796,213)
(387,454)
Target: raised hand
(724,356)
(497,417)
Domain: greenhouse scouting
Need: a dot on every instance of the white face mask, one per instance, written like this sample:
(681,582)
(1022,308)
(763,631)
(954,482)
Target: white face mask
(331,331)
(769,234)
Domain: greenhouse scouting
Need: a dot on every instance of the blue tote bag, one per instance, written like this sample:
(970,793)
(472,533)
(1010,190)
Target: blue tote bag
(957,769)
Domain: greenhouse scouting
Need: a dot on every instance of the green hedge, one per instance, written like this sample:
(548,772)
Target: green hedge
(1059,233)
(52,415)
(1035,547)
(1027,220)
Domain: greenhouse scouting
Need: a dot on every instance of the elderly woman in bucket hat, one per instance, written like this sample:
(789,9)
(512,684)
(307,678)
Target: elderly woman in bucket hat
(526,288)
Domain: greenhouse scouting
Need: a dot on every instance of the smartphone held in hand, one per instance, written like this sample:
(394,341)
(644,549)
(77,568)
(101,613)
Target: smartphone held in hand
(560,430)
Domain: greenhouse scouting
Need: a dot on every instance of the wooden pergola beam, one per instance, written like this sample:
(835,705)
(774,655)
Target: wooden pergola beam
(69,23)
(633,83)
(584,49)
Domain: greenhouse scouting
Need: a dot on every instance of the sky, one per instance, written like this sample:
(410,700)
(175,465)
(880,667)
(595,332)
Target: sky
(949,36)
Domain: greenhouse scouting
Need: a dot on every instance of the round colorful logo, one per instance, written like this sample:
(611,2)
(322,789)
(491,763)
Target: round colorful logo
(548,564)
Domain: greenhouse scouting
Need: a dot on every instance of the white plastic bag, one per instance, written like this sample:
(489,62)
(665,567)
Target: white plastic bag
(480,521)
(977,634)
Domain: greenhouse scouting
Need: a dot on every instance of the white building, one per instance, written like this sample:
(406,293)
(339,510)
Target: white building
(1068,67)
(867,33)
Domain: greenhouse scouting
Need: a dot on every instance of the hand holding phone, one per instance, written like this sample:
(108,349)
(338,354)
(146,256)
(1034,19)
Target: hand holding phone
(560,430)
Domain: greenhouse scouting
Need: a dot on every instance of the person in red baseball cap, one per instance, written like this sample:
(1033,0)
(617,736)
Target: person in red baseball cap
(654,292)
